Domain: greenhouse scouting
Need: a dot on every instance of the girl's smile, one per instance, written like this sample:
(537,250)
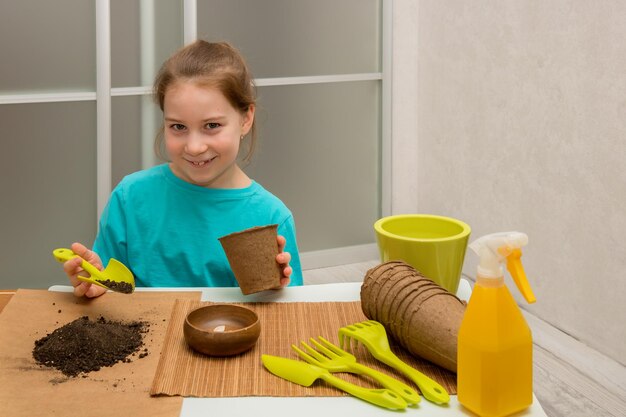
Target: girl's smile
(203,132)
(200,164)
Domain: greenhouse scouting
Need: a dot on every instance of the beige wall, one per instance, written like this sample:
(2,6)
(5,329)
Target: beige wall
(511,115)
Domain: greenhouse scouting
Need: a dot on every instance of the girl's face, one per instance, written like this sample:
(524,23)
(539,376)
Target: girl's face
(202,135)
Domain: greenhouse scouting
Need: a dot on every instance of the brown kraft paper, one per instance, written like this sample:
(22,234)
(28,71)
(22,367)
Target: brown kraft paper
(28,389)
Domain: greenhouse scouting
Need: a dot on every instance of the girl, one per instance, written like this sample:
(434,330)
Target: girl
(164,222)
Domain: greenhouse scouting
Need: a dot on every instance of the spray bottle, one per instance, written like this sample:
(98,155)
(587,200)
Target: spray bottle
(494,373)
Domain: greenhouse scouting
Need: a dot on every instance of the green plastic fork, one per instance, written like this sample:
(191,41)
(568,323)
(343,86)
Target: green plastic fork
(334,359)
(373,335)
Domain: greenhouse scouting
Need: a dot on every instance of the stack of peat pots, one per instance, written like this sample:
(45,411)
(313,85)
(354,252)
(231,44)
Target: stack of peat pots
(421,316)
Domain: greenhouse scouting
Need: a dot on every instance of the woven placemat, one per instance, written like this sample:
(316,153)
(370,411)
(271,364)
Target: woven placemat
(182,371)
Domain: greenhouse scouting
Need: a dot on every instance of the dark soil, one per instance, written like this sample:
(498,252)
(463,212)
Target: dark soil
(117,286)
(84,345)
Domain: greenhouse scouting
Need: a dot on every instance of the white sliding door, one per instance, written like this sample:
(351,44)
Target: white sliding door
(76,111)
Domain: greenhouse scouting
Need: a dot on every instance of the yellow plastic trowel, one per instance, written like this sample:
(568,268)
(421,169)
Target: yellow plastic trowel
(115,277)
(305,374)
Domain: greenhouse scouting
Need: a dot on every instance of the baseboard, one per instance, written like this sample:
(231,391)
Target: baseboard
(339,256)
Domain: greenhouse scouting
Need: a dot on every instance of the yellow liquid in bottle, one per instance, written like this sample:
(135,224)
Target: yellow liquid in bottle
(494,374)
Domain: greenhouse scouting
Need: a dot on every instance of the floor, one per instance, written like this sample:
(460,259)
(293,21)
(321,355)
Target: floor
(570,379)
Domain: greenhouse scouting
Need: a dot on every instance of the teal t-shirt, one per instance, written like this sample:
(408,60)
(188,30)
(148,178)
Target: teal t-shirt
(166,230)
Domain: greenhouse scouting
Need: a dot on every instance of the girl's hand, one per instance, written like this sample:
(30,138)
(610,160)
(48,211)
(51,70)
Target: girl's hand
(72,268)
(283,259)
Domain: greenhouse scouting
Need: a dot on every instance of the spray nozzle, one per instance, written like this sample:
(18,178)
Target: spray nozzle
(494,249)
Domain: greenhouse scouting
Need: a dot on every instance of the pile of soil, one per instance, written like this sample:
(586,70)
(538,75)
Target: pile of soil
(84,345)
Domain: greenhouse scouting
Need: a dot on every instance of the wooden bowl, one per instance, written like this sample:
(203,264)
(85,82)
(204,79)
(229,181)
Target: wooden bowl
(221,329)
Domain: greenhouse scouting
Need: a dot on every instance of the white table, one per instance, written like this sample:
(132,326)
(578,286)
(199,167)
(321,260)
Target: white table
(308,406)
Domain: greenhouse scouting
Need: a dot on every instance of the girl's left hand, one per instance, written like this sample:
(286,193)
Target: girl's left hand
(283,259)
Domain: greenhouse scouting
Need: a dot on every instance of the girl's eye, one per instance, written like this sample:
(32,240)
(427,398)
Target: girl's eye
(178,127)
(212,125)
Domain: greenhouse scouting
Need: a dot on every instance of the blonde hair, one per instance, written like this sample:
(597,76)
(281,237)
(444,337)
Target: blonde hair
(214,65)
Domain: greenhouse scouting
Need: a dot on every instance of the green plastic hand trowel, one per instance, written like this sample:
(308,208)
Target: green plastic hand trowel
(115,277)
(305,374)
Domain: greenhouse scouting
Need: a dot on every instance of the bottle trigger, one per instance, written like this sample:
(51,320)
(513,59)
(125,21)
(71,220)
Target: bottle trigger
(516,269)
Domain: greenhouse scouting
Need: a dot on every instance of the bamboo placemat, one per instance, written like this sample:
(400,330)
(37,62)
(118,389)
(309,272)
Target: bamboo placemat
(182,371)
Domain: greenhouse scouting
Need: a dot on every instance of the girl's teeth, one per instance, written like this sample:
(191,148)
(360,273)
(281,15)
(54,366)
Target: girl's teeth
(201,163)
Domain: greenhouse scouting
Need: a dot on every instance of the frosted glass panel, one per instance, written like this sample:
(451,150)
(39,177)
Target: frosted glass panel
(135,121)
(282,38)
(319,152)
(126,136)
(47,45)
(48,183)
(143,34)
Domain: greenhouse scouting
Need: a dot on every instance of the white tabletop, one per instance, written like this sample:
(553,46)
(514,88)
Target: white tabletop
(308,406)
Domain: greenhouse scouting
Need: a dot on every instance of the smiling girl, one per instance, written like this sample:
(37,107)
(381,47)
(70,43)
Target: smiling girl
(164,222)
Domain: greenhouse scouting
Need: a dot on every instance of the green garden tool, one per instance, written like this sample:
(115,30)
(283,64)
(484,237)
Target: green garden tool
(304,374)
(115,277)
(373,336)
